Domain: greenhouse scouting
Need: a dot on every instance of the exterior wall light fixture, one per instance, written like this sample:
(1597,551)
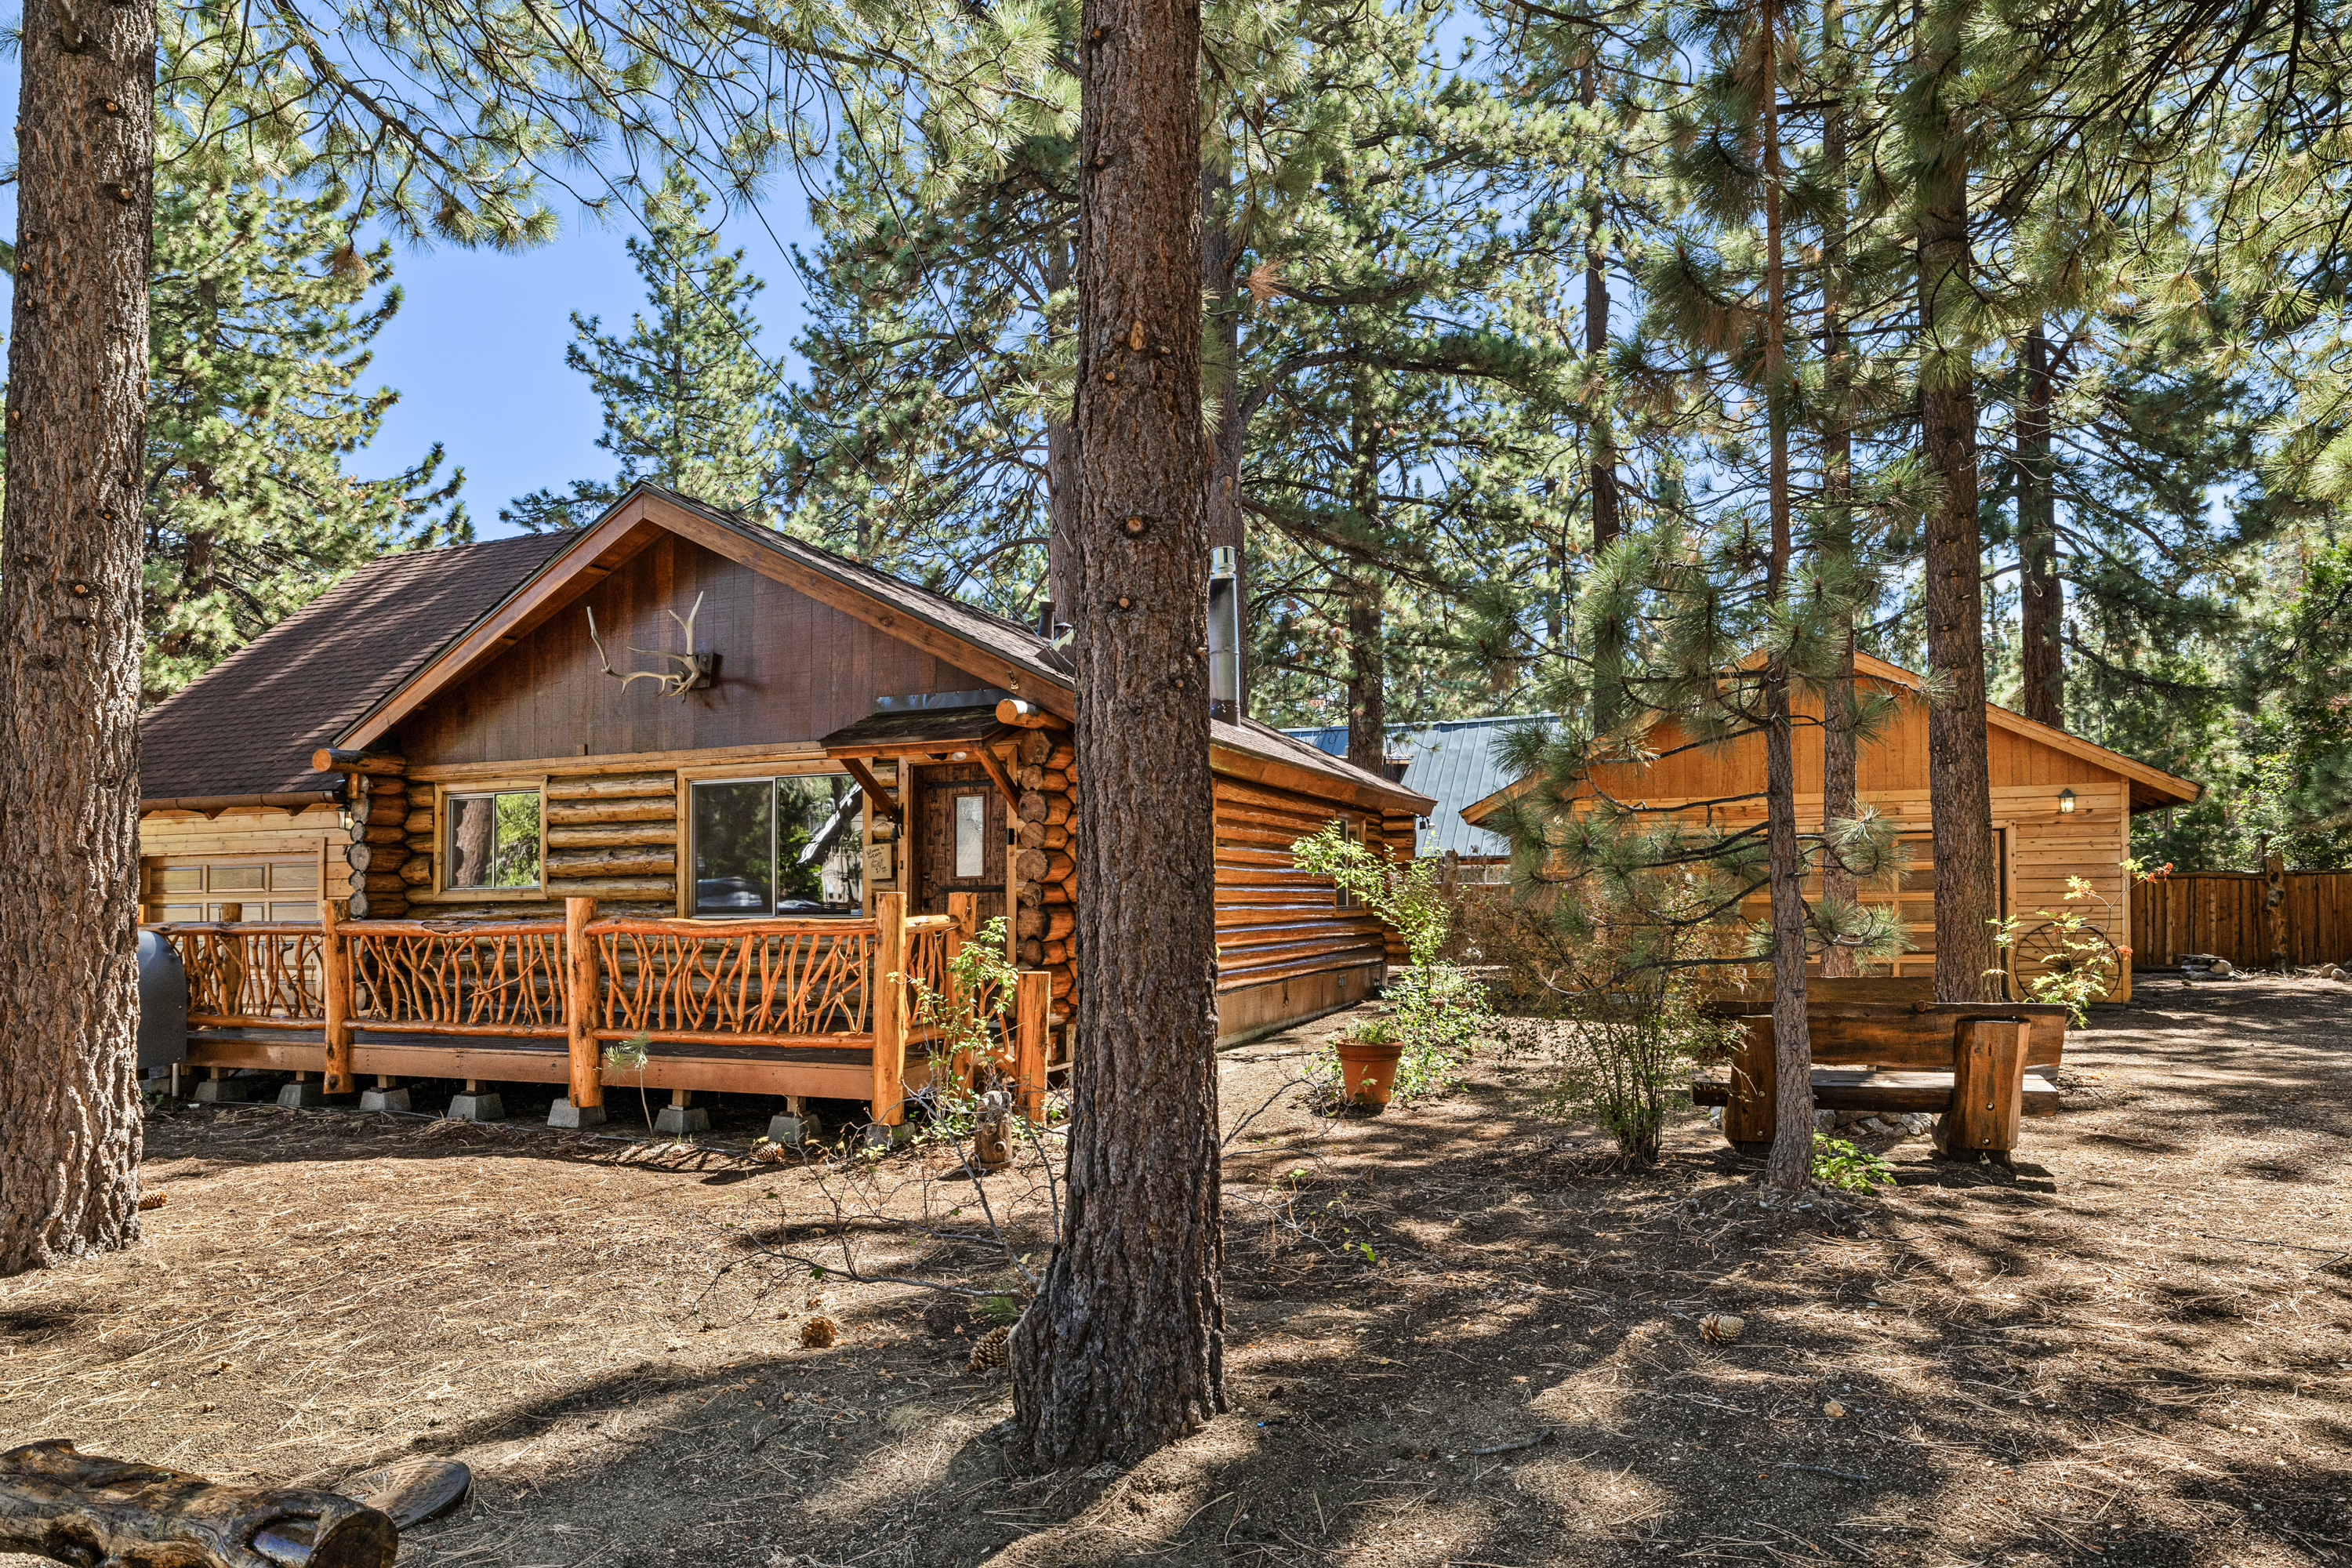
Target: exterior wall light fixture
(2065,802)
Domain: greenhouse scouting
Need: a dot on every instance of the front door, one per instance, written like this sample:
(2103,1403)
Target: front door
(959,838)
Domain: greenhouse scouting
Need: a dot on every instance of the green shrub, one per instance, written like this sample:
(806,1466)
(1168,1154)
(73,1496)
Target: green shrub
(1437,1011)
(1838,1164)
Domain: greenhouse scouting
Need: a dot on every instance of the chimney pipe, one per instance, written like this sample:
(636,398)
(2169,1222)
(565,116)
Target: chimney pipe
(1224,635)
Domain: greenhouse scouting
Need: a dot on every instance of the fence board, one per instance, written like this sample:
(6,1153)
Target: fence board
(2220,913)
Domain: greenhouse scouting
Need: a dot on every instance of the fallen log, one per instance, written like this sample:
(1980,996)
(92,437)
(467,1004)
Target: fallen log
(112,1513)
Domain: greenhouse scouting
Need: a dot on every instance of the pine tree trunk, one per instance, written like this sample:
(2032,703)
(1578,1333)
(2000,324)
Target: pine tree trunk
(1062,478)
(1608,658)
(1226,521)
(1792,1162)
(2044,605)
(1123,1349)
(1959,789)
(1839,766)
(1368,709)
(70,1106)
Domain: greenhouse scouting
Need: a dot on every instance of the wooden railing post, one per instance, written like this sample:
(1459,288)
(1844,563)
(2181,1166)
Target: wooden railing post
(890,1008)
(580,1010)
(1033,1001)
(233,965)
(335,994)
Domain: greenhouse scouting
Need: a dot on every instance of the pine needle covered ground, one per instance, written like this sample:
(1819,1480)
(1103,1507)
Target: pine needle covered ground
(1457,1336)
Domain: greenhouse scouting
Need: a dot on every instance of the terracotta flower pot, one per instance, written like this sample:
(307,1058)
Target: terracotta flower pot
(1367,1070)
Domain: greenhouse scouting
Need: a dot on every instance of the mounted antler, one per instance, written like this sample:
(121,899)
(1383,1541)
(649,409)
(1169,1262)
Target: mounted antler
(695,671)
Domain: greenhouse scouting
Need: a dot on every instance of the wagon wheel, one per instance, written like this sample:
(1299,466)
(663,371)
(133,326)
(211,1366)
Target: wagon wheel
(2053,949)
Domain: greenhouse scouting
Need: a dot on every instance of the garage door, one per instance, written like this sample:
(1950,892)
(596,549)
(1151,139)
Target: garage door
(270,887)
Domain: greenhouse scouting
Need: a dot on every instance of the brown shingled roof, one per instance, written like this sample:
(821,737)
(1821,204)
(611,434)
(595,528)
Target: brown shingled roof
(250,725)
(247,726)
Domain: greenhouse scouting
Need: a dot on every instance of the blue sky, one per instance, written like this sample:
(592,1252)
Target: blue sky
(476,351)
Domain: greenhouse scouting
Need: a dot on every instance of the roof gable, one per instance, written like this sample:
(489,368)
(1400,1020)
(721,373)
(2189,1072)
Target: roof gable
(987,646)
(2149,786)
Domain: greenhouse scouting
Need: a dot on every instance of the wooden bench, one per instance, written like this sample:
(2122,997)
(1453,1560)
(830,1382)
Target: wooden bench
(1879,1046)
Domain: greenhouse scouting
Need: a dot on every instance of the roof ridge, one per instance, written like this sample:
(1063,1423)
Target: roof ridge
(737,519)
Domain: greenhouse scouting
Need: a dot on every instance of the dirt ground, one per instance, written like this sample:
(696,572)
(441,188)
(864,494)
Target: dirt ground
(1457,1336)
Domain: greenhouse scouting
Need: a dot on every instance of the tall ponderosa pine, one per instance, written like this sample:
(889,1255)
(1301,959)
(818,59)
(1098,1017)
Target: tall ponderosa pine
(689,401)
(1123,1349)
(69,633)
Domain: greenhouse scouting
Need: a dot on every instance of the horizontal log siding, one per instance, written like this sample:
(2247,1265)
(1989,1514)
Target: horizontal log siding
(614,838)
(1275,922)
(2219,912)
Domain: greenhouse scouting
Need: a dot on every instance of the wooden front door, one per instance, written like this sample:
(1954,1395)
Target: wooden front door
(959,831)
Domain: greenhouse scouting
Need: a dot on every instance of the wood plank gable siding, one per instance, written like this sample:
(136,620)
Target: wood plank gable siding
(2045,848)
(790,669)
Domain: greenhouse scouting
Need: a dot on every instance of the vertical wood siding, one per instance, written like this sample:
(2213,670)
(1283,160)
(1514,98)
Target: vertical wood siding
(2221,913)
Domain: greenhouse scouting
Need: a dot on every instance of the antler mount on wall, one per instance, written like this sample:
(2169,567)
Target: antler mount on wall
(695,671)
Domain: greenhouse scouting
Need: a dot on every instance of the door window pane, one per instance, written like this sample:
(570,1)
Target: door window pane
(734,848)
(494,839)
(971,822)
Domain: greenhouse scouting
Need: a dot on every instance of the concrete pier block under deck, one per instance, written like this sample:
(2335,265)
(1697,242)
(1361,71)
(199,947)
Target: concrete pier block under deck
(220,1090)
(476,1104)
(681,1117)
(383,1100)
(302,1094)
(563,1113)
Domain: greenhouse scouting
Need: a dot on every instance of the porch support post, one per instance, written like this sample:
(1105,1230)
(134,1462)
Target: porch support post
(1032,1002)
(579,988)
(890,1008)
(335,993)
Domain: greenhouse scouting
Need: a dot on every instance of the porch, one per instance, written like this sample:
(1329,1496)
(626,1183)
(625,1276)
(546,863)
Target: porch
(820,1007)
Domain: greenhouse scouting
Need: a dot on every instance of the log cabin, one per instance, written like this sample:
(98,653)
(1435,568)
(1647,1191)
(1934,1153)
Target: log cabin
(2061,809)
(479,813)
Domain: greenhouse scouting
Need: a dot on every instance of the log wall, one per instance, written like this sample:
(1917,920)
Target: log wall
(1275,922)
(1044,871)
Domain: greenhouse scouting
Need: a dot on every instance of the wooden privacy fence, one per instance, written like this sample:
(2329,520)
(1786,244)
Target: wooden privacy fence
(789,982)
(2234,915)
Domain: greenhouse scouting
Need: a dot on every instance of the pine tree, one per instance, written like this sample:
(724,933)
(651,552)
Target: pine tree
(689,401)
(261,310)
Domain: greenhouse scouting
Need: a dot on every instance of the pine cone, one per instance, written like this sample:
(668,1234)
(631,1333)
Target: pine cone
(1721,1327)
(817,1334)
(988,1351)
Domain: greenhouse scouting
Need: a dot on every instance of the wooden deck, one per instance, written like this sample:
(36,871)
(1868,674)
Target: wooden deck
(802,1007)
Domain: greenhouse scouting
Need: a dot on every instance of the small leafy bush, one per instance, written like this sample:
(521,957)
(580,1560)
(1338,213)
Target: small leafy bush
(1436,1010)
(969,1017)
(1840,1165)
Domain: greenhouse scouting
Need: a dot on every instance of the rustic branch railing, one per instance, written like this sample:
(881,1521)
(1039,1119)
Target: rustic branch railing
(840,983)
(243,976)
(779,982)
(424,977)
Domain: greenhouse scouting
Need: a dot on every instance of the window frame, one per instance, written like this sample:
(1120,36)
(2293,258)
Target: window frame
(445,822)
(758,770)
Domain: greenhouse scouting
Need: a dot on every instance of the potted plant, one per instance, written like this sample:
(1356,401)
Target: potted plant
(1368,1063)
